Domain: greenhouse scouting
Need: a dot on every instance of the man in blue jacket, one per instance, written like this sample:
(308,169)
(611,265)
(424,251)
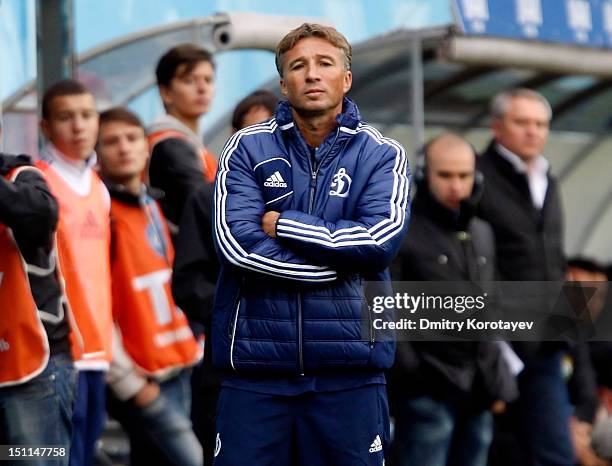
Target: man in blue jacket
(308,206)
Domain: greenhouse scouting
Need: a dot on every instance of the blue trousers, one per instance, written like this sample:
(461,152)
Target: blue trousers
(544,410)
(341,428)
(435,433)
(88,418)
(534,431)
(39,412)
(161,432)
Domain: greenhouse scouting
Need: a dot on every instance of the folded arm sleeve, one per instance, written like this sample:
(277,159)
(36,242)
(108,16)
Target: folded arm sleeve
(28,208)
(372,239)
(239,237)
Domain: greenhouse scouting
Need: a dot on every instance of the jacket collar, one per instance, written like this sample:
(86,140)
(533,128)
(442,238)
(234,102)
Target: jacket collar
(348,122)
(504,164)
(349,118)
(427,205)
(120,193)
(52,155)
(167,122)
(541,165)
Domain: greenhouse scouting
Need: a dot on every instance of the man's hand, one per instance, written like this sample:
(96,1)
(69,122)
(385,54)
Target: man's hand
(146,395)
(499,407)
(581,438)
(268,223)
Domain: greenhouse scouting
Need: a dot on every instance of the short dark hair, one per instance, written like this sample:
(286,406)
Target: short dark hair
(186,56)
(60,89)
(120,114)
(320,31)
(260,98)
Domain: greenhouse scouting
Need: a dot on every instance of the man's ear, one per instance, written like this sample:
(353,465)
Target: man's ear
(496,124)
(44,127)
(348,81)
(283,87)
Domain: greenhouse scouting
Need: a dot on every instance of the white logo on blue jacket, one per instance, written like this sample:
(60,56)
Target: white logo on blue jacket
(275,181)
(341,184)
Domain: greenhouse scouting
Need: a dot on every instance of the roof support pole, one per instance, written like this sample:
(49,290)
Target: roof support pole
(54,43)
(417,104)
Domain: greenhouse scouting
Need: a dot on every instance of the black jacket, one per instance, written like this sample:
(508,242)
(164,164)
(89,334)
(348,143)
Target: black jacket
(529,241)
(529,246)
(437,248)
(433,250)
(196,266)
(196,269)
(174,169)
(29,209)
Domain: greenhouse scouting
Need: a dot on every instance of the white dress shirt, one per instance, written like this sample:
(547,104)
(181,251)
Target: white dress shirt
(537,174)
(76,173)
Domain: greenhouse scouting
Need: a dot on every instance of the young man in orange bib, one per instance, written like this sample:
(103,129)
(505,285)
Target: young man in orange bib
(37,375)
(70,124)
(154,346)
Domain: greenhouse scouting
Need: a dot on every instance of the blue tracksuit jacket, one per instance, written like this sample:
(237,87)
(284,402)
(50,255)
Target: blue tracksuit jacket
(295,304)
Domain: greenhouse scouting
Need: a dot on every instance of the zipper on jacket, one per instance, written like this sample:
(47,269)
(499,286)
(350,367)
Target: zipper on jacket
(313,188)
(469,255)
(299,331)
(314,172)
(372,332)
(368,309)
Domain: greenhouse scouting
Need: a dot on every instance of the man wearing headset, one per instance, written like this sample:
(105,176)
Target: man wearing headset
(444,392)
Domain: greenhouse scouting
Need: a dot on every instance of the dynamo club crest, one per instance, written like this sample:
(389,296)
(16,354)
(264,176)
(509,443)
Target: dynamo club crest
(341,184)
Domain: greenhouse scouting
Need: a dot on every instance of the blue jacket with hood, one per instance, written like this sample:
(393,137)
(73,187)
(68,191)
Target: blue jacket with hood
(295,304)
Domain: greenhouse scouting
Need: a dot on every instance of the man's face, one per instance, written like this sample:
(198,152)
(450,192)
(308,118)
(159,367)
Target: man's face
(122,150)
(314,77)
(189,94)
(524,128)
(450,173)
(72,125)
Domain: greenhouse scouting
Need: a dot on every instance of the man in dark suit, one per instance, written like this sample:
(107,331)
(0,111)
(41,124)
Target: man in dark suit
(521,201)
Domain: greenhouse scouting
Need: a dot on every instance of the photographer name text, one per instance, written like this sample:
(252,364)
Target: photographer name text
(446,324)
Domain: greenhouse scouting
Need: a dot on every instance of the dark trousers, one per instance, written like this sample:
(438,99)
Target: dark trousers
(88,418)
(535,429)
(347,427)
